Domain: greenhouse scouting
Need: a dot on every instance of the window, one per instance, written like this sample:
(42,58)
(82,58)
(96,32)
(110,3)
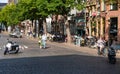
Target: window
(113,6)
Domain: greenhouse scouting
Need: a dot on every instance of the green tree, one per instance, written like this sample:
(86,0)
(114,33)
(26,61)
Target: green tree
(63,7)
(28,10)
(35,9)
(42,11)
(9,15)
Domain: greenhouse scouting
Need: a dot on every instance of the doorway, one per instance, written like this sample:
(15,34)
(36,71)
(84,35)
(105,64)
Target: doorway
(113,28)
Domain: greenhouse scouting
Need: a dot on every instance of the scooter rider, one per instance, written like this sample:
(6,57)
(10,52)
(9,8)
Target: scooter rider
(9,44)
(100,45)
(11,47)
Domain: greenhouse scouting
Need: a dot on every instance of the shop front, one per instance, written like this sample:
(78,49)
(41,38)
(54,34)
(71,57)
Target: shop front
(80,27)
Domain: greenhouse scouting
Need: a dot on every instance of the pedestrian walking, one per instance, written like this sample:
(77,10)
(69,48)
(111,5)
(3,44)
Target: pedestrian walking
(44,39)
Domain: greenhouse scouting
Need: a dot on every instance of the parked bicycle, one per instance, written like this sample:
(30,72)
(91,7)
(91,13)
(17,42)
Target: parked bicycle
(90,41)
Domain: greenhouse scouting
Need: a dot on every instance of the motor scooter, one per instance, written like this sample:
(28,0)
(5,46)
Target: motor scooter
(111,55)
(11,47)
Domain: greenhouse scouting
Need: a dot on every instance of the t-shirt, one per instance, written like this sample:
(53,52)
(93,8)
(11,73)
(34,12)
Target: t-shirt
(101,43)
(44,37)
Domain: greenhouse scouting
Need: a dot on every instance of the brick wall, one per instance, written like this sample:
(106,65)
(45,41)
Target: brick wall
(110,14)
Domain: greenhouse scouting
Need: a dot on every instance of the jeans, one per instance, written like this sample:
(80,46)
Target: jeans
(44,43)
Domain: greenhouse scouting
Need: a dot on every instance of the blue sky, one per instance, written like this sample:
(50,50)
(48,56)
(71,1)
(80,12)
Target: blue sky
(3,1)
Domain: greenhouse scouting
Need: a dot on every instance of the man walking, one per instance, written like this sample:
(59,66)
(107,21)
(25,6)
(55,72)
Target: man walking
(44,38)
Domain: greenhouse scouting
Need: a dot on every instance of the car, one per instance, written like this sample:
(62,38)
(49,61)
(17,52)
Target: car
(16,34)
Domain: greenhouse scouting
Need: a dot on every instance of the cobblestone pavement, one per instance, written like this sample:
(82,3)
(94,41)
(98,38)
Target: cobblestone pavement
(58,58)
(84,49)
(92,51)
(75,47)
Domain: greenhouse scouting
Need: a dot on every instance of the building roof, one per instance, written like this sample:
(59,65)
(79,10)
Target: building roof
(3,4)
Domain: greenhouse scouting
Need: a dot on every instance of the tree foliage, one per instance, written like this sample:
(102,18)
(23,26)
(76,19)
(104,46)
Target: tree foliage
(34,9)
(28,9)
(9,14)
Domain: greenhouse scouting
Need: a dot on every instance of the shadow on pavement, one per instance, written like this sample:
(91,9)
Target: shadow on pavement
(65,64)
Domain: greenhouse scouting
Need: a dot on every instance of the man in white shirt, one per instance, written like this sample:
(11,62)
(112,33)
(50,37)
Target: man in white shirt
(44,38)
(101,45)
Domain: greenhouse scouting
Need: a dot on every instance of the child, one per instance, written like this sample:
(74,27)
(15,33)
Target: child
(40,41)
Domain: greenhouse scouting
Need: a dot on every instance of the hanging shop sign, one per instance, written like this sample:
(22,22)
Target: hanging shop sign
(94,14)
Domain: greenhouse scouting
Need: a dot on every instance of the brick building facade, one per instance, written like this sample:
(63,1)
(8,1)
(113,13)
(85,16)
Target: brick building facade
(112,27)
(106,18)
(93,17)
